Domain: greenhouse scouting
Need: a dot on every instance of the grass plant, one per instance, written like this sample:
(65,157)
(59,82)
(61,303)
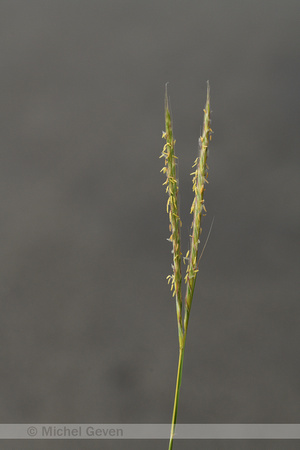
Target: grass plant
(183,308)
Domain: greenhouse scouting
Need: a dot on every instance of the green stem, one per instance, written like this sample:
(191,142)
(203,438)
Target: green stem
(178,383)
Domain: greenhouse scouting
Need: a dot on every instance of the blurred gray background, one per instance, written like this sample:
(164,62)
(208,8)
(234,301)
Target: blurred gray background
(88,325)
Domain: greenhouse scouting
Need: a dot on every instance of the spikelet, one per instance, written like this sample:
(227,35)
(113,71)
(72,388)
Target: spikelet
(171,184)
(198,209)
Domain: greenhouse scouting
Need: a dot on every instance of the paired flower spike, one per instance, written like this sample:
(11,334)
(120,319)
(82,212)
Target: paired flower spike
(198,210)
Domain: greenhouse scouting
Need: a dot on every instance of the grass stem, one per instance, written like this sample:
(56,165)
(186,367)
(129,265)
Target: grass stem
(176,399)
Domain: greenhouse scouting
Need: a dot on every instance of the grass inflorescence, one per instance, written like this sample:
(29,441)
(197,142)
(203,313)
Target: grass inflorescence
(183,308)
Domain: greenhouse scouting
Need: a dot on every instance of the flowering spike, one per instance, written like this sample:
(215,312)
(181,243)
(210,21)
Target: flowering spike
(173,211)
(197,209)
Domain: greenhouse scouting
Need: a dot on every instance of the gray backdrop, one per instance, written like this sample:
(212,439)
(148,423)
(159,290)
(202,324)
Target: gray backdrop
(88,325)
